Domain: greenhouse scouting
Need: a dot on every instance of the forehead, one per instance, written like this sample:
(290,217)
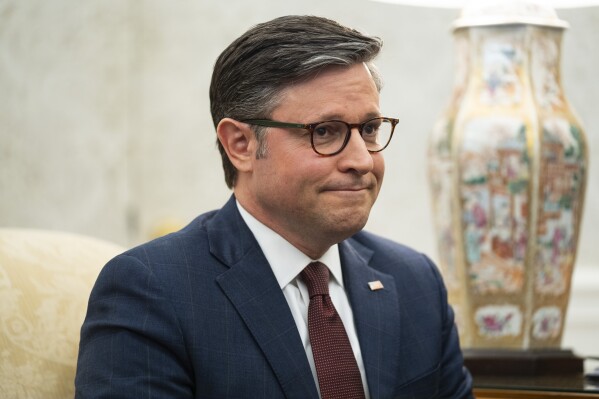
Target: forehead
(336,91)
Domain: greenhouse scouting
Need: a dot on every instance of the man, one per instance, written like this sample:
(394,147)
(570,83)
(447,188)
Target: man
(280,294)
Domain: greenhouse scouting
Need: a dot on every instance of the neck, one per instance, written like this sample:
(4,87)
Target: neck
(313,248)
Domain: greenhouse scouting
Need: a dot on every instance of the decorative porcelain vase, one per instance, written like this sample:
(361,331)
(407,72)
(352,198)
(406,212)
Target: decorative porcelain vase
(508,166)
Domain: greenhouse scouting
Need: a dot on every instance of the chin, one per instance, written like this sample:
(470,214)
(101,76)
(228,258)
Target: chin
(347,227)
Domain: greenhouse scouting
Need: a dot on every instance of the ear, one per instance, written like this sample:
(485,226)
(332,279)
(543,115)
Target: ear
(239,143)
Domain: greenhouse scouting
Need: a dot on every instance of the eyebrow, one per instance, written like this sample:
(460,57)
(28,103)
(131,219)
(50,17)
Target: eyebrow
(330,117)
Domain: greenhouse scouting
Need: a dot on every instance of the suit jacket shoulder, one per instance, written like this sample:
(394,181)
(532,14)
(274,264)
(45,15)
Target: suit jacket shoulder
(195,314)
(409,319)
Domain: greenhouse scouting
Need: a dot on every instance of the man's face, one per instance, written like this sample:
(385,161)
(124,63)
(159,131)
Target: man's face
(311,200)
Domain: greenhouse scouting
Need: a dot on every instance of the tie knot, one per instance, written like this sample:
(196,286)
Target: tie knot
(316,277)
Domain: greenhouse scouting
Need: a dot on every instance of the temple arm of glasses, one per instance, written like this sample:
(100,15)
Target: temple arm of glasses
(269,123)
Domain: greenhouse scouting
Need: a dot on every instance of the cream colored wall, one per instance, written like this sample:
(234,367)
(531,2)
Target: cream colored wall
(105,126)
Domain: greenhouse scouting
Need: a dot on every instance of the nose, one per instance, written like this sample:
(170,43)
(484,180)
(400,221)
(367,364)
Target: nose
(355,156)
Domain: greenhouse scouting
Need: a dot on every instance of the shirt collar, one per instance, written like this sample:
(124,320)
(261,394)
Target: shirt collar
(286,261)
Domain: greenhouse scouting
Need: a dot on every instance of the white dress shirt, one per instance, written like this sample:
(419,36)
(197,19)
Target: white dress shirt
(287,262)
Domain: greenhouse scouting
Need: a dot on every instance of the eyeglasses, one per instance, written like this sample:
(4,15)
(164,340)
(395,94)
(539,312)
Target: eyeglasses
(330,137)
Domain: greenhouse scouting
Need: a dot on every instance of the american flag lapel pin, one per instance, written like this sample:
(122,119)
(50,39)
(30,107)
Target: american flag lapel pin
(375,285)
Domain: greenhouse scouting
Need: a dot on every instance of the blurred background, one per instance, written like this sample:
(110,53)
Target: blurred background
(105,127)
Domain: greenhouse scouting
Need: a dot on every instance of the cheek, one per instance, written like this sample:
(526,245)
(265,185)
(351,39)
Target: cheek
(302,166)
(379,168)
(280,176)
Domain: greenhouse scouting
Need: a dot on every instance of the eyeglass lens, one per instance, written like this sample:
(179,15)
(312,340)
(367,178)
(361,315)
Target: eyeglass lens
(329,137)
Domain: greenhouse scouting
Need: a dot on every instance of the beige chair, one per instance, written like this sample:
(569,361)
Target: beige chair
(45,281)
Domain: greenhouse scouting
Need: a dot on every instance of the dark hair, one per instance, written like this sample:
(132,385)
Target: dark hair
(251,72)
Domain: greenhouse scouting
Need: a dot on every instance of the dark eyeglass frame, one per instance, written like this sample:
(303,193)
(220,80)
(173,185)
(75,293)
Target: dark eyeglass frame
(311,126)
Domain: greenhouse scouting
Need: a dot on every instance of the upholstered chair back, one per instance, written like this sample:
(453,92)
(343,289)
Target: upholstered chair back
(45,281)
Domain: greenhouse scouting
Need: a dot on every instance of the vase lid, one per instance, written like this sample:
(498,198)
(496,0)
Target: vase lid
(508,12)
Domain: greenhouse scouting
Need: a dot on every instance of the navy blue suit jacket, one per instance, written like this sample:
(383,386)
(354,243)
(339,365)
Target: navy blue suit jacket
(199,314)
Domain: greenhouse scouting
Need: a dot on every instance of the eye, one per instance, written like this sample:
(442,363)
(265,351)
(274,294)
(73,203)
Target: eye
(329,130)
(321,130)
(371,128)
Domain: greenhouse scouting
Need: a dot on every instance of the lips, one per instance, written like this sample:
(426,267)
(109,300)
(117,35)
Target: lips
(350,187)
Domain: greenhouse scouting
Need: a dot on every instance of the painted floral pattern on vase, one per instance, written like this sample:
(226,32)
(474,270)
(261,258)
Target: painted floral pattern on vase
(498,321)
(547,323)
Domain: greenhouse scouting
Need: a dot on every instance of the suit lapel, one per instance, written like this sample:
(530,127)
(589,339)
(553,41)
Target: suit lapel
(376,316)
(254,291)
